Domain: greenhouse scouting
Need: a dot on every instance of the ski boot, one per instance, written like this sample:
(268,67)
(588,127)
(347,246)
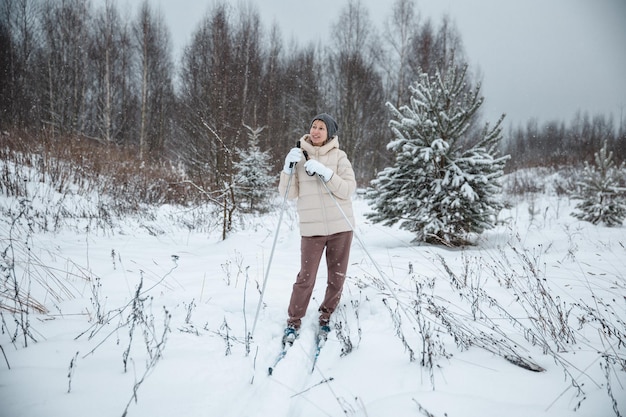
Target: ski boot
(322,334)
(290,335)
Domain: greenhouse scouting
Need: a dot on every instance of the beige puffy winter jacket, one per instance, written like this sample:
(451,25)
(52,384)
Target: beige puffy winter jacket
(318,212)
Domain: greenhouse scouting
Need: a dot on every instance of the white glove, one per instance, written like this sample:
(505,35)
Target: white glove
(293,157)
(315,167)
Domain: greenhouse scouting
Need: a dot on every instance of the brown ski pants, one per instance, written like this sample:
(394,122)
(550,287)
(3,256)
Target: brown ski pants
(337,254)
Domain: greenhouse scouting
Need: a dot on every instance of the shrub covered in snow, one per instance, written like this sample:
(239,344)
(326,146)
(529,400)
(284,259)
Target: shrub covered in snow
(602,191)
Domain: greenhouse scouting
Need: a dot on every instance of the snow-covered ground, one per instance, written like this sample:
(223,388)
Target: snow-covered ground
(146,316)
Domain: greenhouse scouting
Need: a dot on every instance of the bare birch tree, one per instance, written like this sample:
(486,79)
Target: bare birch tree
(110,55)
(64,56)
(152,41)
(357,90)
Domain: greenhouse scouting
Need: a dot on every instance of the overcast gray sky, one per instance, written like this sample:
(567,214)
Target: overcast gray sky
(543,59)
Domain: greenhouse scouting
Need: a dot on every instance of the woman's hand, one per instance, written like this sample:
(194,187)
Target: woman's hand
(293,157)
(315,167)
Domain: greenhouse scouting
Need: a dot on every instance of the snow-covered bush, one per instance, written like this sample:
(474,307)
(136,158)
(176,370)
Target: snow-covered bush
(83,184)
(602,192)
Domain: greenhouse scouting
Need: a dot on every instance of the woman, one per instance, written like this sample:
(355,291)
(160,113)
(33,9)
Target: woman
(323,225)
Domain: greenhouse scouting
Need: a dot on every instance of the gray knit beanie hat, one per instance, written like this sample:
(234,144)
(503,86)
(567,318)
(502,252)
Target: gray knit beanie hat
(331,125)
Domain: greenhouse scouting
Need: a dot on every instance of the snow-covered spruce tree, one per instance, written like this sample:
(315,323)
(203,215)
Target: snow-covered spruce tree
(603,196)
(444,185)
(253,182)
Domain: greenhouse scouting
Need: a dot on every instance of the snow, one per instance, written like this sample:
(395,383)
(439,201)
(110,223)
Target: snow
(209,287)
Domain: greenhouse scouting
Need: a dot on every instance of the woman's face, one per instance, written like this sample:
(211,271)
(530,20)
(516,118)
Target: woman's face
(318,132)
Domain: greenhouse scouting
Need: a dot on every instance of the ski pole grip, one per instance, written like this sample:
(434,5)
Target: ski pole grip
(306,157)
(291,164)
(306,154)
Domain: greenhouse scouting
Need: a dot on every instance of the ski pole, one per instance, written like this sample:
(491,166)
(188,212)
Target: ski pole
(356,235)
(269,264)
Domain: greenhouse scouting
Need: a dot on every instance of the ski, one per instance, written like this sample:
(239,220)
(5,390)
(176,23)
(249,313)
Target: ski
(320,341)
(318,348)
(281,355)
(290,336)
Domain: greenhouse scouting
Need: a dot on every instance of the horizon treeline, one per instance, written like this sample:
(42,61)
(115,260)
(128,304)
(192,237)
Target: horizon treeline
(70,69)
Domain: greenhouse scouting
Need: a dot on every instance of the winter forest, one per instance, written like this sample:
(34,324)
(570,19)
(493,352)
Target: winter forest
(138,204)
(74,71)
